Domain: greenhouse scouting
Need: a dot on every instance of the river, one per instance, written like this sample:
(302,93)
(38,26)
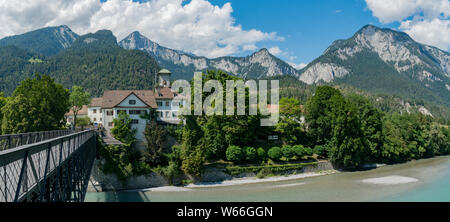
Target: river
(423,180)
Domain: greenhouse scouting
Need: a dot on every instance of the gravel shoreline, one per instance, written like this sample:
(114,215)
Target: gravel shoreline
(234,182)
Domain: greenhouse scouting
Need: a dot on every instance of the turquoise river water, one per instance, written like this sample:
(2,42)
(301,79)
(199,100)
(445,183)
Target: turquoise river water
(426,180)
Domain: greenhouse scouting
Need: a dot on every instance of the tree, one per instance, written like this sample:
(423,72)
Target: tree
(318,120)
(83,122)
(290,125)
(155,137)
(2,103)
(122,130)
(192,155)
(347,144)
(371,120)
(37,104)
(78,98)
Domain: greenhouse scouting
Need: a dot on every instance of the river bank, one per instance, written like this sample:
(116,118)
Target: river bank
(212,177)
(423,180)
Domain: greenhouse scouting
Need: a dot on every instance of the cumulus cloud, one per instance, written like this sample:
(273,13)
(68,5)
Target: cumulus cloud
(434,32)
(197,26)
(426,21)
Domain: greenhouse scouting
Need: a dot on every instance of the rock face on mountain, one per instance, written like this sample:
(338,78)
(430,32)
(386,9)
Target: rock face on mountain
(259,64)
(383,60)
(47,41)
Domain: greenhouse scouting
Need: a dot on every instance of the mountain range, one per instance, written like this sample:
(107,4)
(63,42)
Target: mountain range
(258,65)
(373,59)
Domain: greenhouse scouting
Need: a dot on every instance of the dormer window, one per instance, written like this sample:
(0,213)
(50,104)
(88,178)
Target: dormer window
(132,102)
(161,95)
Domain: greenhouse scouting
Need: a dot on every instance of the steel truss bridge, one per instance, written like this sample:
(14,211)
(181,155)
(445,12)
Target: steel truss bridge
(52,166)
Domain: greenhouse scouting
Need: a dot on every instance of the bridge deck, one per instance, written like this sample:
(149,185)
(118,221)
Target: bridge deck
(56,169)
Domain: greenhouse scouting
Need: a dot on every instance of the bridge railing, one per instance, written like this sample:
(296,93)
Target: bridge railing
(57,169)
(15,140)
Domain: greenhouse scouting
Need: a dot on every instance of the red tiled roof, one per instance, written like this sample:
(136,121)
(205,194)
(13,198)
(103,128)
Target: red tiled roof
(83,111)
(164,93)
(112,98)
(96,102)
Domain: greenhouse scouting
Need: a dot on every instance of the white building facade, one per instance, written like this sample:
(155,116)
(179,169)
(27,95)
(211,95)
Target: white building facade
(135,103)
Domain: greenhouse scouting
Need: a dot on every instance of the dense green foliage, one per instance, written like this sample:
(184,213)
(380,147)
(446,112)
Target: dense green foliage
(122,129)
(354,132)
(121,161)
(290,124)
(275,153)
(208,137)
(234,153)
(155,137)
(2,103)
(37,104)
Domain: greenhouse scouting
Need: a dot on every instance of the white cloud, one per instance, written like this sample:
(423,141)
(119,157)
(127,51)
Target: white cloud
(275,50)
(427,21)
(298,66)
(197,26)
(435,32)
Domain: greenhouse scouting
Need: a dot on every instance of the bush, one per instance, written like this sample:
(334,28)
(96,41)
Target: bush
(275,153)
(250,154)
(299,150)
(261,153)
(288,152)
(320,150)
(262,171)
(234,153)
(307,151)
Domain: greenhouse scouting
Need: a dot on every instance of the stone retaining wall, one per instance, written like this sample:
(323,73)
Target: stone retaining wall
(102,182)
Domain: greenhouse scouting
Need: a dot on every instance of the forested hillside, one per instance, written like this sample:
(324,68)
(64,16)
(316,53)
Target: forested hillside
(94,61)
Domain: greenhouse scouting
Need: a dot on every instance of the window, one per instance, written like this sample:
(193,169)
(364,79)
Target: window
(132,102)
(161,114)
(110,124)
(167,114)
(159,103)
(109,113)
(95,119)
(175,103)
(95,111)
(134,121)
(100,118)
(174,114)
(168,104)
(134,112)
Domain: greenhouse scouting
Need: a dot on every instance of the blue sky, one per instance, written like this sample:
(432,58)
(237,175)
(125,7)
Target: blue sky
(297,31)
(308,27)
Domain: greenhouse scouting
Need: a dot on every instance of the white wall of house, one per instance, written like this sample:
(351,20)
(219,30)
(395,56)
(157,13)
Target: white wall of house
(107,118)
(134,107)
(168,110)
(95,114)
